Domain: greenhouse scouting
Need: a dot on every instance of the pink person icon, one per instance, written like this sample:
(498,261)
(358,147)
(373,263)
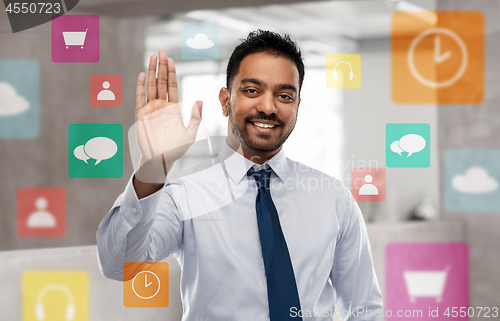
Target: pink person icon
(41,212)
(368,184)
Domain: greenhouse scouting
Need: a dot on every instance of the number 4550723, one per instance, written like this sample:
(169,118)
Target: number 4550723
(32,7)
(484,312)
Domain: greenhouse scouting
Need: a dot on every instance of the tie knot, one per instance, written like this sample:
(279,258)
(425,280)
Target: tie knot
(262,176)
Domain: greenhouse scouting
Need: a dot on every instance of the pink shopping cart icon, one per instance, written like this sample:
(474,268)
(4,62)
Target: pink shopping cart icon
(425,284)
(74,38)
(427,275)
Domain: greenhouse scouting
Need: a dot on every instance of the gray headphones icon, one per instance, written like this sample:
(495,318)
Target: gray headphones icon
(351,74)
(70,308)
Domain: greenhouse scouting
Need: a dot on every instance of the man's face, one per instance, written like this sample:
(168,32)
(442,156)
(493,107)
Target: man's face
(263,102)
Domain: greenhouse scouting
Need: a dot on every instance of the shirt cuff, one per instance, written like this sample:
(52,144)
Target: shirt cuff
(135,210)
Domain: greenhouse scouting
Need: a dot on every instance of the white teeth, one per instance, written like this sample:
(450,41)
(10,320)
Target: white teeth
(263,125)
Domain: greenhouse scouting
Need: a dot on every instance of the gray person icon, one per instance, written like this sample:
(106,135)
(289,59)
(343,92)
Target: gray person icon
(368,189)
(106,94)
(41,217)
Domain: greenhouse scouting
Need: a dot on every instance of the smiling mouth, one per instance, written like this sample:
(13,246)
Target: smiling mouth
(263,125)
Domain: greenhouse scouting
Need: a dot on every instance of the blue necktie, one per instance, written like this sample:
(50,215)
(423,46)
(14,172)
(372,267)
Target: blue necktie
(281,287)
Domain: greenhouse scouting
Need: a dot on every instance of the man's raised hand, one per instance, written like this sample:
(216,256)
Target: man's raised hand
(160,129)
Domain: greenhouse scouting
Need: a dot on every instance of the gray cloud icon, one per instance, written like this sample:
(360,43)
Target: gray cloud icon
(200,41)
(10,102)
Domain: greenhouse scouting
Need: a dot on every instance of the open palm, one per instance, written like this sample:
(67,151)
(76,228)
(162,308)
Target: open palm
(160,128)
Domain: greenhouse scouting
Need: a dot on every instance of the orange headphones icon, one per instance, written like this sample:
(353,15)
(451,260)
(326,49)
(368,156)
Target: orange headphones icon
(70,308)
(351,74)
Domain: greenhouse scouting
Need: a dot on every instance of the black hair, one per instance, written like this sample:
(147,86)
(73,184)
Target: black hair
(268,42)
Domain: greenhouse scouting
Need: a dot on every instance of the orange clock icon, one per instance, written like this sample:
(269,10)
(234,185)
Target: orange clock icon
(437,57)
(149,285)
(147,289)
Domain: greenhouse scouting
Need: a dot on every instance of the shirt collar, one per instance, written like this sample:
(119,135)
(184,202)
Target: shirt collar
(237,165)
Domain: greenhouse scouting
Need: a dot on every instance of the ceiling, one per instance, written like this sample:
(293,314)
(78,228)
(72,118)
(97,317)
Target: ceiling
(319,27)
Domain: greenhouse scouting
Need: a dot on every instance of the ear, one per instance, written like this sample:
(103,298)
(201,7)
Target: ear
(224,100)
(298,105)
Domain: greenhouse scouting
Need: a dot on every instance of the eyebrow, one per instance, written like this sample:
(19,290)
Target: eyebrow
(257,82)
(254,81)
(287,86)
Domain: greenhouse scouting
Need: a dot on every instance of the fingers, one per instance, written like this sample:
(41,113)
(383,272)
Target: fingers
(140,99)
(152,79)
(195,120)
(172,87)
(162,75)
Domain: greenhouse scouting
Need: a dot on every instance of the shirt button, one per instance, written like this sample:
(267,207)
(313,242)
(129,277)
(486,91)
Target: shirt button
(134,210)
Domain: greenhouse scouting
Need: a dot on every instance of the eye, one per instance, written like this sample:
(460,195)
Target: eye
(251,91)
(286,97)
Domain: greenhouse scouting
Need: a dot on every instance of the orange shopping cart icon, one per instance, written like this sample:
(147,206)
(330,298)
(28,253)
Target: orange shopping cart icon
(437,57)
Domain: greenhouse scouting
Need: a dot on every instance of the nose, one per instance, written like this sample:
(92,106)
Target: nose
(266,104)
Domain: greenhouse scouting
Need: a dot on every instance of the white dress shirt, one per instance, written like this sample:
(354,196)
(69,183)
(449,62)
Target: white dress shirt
(207,220)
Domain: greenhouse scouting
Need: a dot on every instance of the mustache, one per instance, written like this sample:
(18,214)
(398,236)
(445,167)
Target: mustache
(272,118)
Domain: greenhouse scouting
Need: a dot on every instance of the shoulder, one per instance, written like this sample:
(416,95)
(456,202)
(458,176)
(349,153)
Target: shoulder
(299,170)
(321,182)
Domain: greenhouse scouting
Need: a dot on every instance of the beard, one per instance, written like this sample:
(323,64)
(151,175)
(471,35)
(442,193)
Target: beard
(255,146)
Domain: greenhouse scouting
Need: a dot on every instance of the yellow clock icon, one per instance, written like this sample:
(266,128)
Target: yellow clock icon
(146,285)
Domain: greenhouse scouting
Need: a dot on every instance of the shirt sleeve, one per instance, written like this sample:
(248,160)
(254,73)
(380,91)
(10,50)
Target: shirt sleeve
(145,230)
(357,291)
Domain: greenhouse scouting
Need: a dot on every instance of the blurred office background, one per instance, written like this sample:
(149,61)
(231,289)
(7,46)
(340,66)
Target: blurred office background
(337,130)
